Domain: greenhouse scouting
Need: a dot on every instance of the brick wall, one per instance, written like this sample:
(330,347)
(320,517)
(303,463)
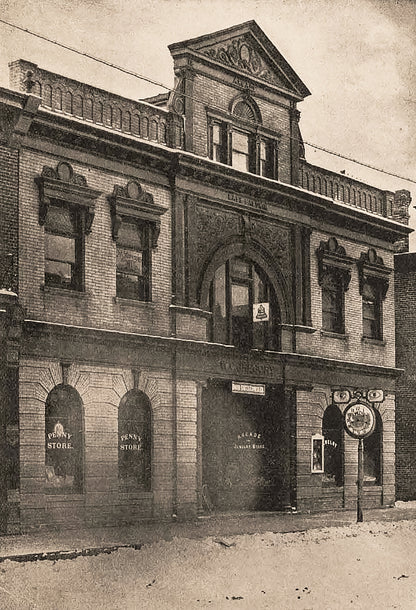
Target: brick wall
(351,347)
(9,188)
(405,289)
(96,307)
(101,390)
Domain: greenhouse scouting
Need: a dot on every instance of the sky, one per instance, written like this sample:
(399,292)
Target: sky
(357,57)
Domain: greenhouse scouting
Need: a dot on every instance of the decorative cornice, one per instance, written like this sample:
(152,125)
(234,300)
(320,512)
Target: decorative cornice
(333,258)
(131,201)
(371,268)
(63,184)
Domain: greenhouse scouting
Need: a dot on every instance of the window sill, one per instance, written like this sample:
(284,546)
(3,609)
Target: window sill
(133,303)
(80,294)
(370,341)
(329,333)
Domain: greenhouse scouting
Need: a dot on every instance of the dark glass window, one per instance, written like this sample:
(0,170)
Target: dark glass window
(63,248)
(372,327)
(236,287)
(133,261)
(372,454)
(332,431)
(134,441)
(64,440)
(332,303)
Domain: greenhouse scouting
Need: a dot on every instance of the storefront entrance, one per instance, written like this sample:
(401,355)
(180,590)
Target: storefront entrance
(244,449)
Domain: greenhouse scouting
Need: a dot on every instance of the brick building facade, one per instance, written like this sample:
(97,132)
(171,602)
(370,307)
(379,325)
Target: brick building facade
(196,304)
(405,292)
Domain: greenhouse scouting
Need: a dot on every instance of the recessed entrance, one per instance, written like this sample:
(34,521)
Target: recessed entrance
(244,449)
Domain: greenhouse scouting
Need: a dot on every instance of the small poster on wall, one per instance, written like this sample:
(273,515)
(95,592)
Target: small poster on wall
(317,453)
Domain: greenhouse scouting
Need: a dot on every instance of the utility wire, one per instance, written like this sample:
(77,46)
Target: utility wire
(154,82)
(101,61)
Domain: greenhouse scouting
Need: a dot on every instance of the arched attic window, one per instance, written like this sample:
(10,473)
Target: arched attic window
(241,141)
(244,306)
(63,441)
(134,441)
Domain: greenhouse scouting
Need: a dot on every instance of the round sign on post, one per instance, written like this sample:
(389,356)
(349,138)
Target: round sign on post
(359,420)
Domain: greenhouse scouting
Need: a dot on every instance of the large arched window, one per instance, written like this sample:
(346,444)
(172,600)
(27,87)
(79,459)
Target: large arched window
(244,306)
(373,454)
(332,431)
(64,440)
(134,441)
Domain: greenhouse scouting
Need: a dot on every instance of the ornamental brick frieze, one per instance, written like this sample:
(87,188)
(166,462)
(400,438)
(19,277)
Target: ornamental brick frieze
(213,227)
(274,238)
(239,53)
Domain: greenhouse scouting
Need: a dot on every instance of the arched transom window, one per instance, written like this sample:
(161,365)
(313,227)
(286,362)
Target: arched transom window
(244,307)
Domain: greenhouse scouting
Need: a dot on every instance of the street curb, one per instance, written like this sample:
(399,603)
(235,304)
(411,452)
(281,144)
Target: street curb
(58,555)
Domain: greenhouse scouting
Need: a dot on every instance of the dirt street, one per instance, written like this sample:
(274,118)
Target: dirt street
(370,565)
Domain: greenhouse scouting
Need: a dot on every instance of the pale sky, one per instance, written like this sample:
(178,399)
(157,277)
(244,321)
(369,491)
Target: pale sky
(357,57)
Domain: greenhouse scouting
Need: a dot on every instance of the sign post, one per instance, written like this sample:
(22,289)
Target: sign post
(359,421)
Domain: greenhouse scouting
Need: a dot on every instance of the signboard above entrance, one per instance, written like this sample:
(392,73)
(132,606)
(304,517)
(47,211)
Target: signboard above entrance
(258,389)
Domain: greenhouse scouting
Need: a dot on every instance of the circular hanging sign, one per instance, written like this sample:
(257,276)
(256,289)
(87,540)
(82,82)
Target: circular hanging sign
(359,420)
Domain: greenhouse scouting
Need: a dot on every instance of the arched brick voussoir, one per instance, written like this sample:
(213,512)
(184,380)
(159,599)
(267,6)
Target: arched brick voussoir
(96,395)
(82,383)
(122,383)
(150,387)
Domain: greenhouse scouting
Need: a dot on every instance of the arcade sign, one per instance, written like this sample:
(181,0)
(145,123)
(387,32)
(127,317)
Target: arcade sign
(257,389)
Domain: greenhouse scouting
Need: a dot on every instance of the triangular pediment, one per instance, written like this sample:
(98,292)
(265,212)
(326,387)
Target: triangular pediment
(247,50)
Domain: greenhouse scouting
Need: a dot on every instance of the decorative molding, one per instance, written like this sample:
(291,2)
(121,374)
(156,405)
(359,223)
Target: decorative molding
(371,268)
(131,201)
(332,258)
(239,53)
(63,184)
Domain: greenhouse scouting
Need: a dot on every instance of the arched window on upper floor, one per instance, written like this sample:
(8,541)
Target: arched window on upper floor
(134,441)
(64,441)
(241,141)
(245,311)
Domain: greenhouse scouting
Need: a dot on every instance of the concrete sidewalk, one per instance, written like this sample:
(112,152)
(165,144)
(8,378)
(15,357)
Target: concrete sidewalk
(60,544)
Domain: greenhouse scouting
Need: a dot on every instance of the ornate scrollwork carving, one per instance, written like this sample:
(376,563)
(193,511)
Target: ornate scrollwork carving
(239,53)
(63,184)
(131,201)
(333,258)
(371,268)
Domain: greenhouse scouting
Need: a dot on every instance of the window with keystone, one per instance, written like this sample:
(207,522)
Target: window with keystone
(238,284)
(66,210)
(135,229)
(63,441)
(239,139)
(134,441)
(334,275)
(374,283)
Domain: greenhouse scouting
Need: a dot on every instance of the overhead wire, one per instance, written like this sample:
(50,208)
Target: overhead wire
(193,98)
